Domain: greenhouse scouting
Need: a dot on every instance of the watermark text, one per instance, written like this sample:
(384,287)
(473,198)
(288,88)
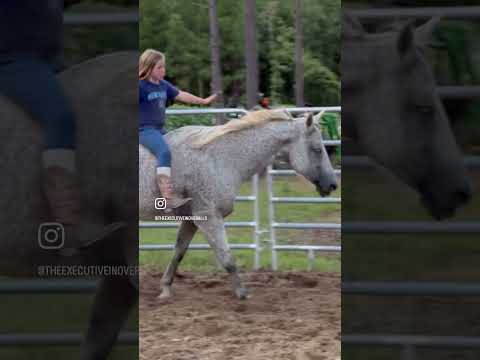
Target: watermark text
(180,218)
(86,270)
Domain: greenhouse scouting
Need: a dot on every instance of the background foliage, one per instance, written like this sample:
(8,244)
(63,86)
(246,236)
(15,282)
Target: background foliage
(180,29)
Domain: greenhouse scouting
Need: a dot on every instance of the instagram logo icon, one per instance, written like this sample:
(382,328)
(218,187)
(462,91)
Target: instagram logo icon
(160,203)
(51,236)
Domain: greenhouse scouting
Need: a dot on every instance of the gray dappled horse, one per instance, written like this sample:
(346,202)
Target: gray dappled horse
(209,165)
(103,93)
(391,108)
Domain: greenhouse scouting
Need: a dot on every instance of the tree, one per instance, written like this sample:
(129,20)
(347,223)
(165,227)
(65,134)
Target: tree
(281,61)
(180,28)
(216,83)
(299,67)
(322,86)
(251,57)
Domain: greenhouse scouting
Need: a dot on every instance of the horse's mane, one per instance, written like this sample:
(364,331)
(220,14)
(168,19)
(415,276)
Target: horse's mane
(254,119)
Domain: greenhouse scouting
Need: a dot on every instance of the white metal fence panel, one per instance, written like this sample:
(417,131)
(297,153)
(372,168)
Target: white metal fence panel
(411,343)
(272,200)
(42,287)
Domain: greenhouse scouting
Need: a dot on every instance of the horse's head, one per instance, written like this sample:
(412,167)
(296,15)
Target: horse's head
(391,108)
(308,156)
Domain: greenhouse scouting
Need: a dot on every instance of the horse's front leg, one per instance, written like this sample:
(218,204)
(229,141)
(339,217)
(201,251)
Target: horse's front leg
(114,299)
(214,229)
(184,236)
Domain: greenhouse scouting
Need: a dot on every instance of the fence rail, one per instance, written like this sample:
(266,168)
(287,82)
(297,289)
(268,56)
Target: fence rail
(101,18)
(155,247)
(159,225)
(411,227)
(410,343)
(365,161)
(186,112)
(411,288)
(127,338)
(306,226)
(413,340)
(292,172)
(306,200)
(47,286)
(457,13)
(460,12)
(459,92)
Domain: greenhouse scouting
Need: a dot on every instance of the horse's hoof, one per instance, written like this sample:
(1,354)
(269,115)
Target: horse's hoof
(165,294)
(241,293)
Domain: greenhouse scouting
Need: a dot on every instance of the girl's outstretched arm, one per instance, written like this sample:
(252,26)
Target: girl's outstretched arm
(188,98)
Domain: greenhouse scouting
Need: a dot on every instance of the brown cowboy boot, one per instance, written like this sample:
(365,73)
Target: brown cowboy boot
(63,193)
(166,189)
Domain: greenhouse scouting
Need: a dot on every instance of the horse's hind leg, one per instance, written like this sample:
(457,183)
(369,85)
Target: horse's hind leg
(113,301)
(214,230)
(184,236)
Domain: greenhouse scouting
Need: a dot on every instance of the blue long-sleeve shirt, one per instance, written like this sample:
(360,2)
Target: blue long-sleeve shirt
(31,28)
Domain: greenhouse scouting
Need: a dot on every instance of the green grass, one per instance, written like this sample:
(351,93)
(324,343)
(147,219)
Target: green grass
(375,197)
(44,314)
(413,257)
(204,261)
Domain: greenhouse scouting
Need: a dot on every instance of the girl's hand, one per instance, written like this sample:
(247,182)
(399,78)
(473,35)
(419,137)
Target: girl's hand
(210,99)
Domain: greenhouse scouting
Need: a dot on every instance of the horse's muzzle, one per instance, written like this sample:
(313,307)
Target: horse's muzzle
(325,190)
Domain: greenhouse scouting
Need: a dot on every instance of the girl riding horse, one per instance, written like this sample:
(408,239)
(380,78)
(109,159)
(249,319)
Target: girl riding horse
(154,92)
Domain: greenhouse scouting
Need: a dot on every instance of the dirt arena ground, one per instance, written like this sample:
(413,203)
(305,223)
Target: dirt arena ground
(289,316)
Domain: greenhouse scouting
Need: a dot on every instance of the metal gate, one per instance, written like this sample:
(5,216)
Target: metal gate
(409,344)
(272,200)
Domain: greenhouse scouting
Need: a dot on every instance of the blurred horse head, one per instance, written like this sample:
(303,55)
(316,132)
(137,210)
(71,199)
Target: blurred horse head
(391,108)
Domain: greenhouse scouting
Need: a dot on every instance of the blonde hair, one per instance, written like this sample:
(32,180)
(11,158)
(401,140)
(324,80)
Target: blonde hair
(147,62)
(251,120)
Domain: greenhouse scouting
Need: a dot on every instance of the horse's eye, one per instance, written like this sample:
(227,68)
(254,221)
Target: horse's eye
(425,109)
(317,149)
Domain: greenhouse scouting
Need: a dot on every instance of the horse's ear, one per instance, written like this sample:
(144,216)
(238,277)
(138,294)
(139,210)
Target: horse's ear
(351,27)
(309,121)
(424,33)
(406,40)
(317,118)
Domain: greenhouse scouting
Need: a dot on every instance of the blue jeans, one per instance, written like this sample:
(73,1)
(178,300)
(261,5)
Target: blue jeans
(152,139)
(32,85)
